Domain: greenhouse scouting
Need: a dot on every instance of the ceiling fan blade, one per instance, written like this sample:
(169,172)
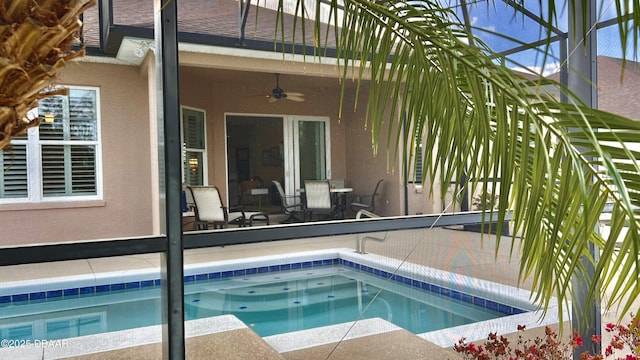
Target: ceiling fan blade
(258,95)
(295,94)
(272,99)
(295,98)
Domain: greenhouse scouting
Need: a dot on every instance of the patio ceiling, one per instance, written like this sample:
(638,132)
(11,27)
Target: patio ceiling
(261,80)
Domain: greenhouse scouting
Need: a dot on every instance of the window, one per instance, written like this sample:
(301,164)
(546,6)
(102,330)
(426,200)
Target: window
(60,159)
(415,159)
(418,164)
(195,146)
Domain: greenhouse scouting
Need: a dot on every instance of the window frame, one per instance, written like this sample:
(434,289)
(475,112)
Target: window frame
(34,144)
(291,134)
(415,158)
(204,165)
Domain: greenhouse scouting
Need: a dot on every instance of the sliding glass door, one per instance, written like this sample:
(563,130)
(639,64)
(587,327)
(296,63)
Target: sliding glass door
(308,150)
(289,149)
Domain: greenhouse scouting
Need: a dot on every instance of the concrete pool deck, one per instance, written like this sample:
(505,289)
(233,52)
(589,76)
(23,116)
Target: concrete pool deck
(460,252)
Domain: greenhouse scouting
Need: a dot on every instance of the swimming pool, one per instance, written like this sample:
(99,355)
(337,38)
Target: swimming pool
(294,300)
(338,275)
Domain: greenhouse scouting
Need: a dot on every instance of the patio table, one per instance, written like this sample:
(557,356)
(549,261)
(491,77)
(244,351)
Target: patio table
(260,193)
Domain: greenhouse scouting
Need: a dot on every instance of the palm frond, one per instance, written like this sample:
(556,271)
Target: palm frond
(557,165)
(36,39)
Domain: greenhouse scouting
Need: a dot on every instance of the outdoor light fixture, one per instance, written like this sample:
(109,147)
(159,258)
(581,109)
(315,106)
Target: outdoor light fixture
(138,52)
(31,115)
(141,50)
(193,164)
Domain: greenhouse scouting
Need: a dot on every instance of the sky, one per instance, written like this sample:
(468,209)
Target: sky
(494,21)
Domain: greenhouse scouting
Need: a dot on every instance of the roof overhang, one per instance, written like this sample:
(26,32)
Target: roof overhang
(133,51)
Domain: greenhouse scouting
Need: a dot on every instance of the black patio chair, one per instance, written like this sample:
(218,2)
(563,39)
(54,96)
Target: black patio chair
(365,201)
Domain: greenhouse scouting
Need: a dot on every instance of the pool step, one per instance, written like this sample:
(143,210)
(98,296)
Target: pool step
(367,339)
(259,301)
(238,344)
(222,337)
(395,345)
(227,338)
(277,288)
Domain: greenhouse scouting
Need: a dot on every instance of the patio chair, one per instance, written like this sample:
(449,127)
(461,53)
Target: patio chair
(317,198)
(291,205)
(188,211)
(187,201)
(209,210)
(366,201)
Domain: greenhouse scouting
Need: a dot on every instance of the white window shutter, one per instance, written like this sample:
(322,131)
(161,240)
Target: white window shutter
(13,178)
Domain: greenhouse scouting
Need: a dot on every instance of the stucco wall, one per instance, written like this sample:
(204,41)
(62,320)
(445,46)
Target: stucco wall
(129,207)
(366,167)
(219,98)
(126,207)
(352,156)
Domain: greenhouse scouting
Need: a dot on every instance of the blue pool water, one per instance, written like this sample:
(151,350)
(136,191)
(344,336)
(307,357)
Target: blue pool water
(269,302)
(309,299)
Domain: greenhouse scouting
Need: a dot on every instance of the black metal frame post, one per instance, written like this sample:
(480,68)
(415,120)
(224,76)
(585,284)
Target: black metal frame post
(166,30)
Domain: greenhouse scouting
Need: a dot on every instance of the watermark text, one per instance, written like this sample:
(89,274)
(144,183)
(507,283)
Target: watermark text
(12,343)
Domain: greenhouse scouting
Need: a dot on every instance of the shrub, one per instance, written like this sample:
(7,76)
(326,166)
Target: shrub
(626,338)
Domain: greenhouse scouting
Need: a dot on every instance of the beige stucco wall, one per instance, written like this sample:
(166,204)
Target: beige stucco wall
(130,206)
(126,207)
(365,167)
(351,153)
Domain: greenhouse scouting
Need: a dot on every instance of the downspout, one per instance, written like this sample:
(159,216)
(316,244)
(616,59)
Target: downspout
(464,203)
(405,169)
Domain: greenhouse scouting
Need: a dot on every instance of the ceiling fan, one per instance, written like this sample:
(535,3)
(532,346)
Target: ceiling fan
(277,93)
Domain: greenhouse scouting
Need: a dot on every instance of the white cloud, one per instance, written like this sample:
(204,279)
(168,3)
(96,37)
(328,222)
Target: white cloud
(546,70)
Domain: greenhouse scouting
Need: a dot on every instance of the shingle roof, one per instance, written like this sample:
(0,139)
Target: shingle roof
(216,18)
(221,19)
(615,94)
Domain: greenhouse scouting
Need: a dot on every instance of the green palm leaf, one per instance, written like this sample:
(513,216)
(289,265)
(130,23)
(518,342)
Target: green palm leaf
(558,164)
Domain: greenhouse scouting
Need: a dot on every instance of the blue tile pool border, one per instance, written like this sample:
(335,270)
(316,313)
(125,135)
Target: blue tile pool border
(505,309)
(437,289)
